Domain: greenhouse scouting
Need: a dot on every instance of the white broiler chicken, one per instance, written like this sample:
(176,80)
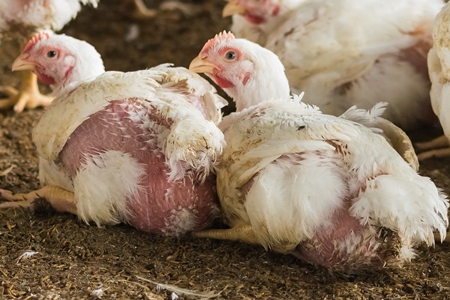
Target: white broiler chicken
(343,53)
(19,20)
(136,147)
(323,188)
(439,70)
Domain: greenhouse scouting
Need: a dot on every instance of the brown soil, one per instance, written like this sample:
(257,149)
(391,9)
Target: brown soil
(47,255)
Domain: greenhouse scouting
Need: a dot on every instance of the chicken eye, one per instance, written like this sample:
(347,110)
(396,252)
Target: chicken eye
(230,55)
(51,53)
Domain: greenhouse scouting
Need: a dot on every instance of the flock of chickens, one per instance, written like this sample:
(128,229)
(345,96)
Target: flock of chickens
(306,165)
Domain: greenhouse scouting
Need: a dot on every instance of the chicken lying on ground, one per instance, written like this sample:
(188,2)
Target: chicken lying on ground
(343,53)
(19,20)
(136,147)
(323,188)
(439,69)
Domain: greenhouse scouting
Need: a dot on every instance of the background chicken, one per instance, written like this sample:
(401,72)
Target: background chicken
(136,147)
(323,188)
(142,11)
(343,53)
(439,69)
(19,20)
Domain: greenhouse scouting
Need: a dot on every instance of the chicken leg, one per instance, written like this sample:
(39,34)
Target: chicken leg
(27,97)
(60,199)
(142,11)
(243,233)
(438,147)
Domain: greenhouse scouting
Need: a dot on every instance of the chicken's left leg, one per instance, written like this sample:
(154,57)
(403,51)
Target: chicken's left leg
(438,142)
(143,12)
(59,198)
(243,233)
(432,148)
(443,152)
(27,96)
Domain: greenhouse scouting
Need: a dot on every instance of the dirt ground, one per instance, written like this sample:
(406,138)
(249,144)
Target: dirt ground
(47,255)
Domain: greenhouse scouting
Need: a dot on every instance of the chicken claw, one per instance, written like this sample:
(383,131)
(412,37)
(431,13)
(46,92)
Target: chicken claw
(60,199)
(27,97)
(142,11)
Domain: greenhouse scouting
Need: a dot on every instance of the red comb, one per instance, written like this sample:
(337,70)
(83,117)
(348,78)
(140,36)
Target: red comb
(43,35)
(223,36)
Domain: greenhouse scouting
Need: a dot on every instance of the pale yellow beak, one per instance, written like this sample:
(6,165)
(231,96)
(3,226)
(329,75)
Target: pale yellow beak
(199,65)
(233,7)
(21,64)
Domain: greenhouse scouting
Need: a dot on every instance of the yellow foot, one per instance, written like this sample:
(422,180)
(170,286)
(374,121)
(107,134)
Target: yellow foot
(243,233)
(142,12)
(22,100)
(438,147)
(20,200)
(444,152)
(439,142)
(27,96)
(60,199)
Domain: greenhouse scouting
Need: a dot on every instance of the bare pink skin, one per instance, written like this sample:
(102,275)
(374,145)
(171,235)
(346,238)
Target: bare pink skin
(156,206)
(257,12)
(41,68)
(327,247)
(220,73)
(322,250)
(252,19)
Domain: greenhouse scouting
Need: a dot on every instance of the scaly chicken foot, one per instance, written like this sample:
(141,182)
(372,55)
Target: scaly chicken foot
(444,152)
(27,96)
(142,11)
(243,233)
(60,199)
(438,147)
(11,96)
(438,142)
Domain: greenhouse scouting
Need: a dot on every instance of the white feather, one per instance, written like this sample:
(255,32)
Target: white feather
(102,184)
(40,14)
(287,168)
(339,64)
(71,110)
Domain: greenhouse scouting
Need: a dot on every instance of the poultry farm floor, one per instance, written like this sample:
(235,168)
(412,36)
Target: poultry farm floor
(47,255)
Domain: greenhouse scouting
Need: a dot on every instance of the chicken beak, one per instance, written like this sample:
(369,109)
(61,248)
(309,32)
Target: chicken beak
(199,65)
(233,7)
(21,64)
